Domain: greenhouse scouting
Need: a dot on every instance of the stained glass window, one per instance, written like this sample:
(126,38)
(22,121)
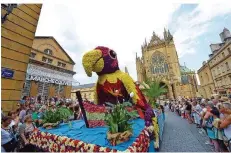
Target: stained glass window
(159,64)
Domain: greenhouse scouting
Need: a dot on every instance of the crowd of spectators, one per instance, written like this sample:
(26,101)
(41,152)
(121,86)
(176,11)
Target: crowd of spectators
(211,116)
(18,125)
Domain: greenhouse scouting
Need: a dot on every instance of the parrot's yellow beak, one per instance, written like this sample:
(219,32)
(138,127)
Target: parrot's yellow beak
(93,62)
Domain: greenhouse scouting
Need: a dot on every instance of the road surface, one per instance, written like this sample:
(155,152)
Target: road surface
(180,136)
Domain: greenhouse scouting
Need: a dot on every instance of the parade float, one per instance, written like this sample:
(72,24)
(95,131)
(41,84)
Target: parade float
(52,119)
(120,120)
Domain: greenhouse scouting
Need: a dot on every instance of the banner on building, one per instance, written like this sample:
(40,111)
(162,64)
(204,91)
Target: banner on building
(47,80)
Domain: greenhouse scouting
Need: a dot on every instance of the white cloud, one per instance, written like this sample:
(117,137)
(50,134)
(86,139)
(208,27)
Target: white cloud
(121,25)
(196,23)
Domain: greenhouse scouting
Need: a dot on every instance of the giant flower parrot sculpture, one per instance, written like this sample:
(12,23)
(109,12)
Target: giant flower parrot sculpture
(113,85)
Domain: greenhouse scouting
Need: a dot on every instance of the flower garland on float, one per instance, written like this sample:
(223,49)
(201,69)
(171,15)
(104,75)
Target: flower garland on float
(53,143)
(95,114)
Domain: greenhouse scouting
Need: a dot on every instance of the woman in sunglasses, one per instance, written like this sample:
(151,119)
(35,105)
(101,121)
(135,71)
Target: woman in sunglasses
(24,132)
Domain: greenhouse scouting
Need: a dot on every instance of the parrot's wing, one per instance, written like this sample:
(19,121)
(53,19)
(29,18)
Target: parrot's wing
(138,97)
(130,86)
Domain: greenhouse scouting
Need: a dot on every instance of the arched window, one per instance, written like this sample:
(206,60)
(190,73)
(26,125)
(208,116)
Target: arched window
(229,51)
(159,64)
(201,80)
(207,77)
(48,51)
(210,91)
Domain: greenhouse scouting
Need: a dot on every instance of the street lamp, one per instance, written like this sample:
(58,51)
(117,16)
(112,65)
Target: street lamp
(9,8)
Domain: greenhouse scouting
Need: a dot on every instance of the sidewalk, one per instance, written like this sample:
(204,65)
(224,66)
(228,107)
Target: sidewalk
(180,136)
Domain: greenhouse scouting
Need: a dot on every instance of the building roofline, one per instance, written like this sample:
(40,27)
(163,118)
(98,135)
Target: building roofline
(202,67)
(33,61)
(222,48)
(51,37)
(89,85)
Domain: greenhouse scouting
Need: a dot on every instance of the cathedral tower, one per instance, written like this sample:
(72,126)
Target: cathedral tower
(160,60)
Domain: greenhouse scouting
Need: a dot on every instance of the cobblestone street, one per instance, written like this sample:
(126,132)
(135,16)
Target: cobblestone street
(179,136)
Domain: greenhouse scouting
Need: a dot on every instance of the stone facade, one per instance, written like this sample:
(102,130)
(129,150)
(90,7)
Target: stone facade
(50,70)
(86,90)
(160,60)
(215,74)
(18,32)
(207,85)
(220,64)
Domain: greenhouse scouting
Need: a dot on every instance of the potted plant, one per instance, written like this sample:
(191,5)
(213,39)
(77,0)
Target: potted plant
(52,119)
(119,126)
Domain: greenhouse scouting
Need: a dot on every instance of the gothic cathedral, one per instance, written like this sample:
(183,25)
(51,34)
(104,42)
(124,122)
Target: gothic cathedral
(160,61)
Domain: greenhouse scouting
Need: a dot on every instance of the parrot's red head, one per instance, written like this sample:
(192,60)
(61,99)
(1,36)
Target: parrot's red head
(101,60)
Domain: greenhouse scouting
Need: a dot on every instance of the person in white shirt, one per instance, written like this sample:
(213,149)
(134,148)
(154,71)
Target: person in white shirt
(183,110)
(197,117)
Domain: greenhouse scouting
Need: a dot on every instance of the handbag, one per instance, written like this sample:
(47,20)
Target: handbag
(10,146)
(28,148)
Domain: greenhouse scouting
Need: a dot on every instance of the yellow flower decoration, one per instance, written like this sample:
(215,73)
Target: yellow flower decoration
(92,63)
(128,82)
(156,132)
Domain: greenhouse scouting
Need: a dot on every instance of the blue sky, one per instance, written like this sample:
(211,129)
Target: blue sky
(211,35)
(80,27)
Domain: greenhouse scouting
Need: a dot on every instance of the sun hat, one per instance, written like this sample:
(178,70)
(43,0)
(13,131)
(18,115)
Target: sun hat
(224,99)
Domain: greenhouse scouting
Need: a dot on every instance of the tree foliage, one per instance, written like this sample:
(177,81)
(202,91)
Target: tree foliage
(153,89)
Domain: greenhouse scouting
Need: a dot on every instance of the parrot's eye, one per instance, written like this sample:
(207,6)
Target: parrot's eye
(112,54)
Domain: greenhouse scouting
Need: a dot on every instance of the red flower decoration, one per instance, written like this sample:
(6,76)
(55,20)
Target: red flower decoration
(141,143)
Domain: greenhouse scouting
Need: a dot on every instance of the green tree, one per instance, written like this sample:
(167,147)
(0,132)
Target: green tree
(153,89)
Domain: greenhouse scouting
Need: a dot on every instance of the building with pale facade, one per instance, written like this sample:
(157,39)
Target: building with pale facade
(215,74)
(50,70)
(18,31)
(86,90)
(160,60)
(207,86)
(220,63)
